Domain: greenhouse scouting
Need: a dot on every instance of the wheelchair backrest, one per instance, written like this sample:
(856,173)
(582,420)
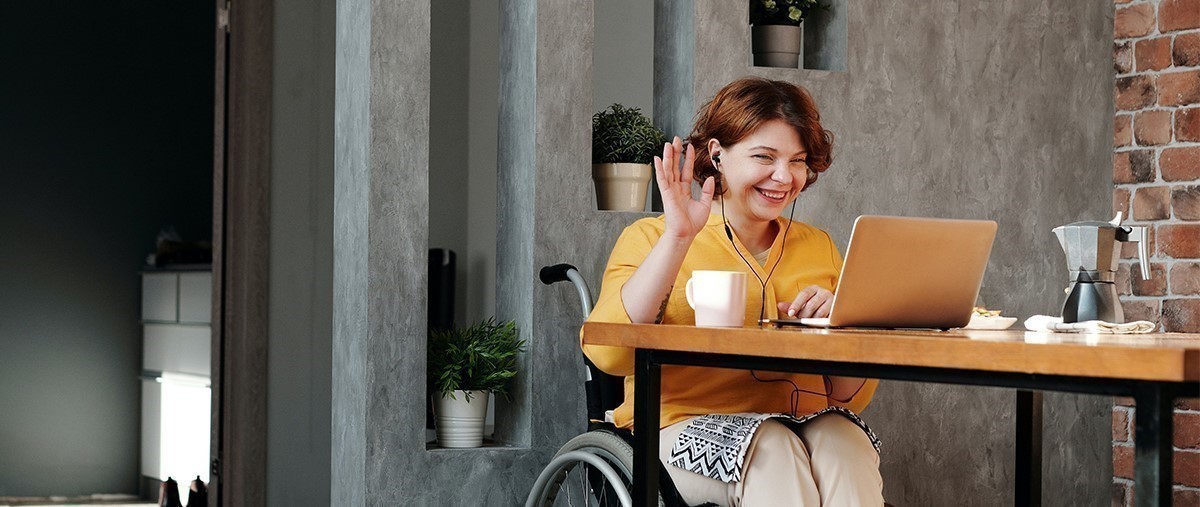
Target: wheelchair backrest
(604,392)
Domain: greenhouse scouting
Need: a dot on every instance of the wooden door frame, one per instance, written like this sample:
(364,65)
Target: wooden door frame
(241,204)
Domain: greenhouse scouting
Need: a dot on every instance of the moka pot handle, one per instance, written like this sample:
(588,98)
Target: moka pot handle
(1138,234)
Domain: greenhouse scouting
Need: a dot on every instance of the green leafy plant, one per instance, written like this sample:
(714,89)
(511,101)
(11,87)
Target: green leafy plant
(781,12)
(624,134)
(482,357)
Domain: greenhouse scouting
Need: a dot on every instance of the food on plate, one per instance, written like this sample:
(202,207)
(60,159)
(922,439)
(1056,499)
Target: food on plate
(982,318)
(984,312)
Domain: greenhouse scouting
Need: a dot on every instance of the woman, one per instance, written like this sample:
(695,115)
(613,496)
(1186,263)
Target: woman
(754,148)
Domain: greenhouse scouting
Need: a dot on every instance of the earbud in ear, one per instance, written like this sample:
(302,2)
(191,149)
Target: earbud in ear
(716,159)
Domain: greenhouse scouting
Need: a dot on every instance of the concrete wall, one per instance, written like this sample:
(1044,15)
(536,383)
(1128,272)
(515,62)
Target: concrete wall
(300,294)
(674,104)
(105,137)
(483,136)
(464,68)
(451,42)
(623,57)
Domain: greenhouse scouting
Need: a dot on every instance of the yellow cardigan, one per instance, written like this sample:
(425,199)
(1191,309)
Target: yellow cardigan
(688,391)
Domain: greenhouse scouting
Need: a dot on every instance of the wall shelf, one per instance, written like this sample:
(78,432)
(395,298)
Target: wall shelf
(630,214)
(488,445)
(825,39)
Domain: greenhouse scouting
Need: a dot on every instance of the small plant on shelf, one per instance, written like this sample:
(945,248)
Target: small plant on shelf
(464,365)
(624,134)
(776,38)
(624,142)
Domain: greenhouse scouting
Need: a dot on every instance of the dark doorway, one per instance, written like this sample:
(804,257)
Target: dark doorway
(106,138)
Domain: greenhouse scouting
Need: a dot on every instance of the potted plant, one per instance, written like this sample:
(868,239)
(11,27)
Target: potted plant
(623,145)
(464,366)
(776,37)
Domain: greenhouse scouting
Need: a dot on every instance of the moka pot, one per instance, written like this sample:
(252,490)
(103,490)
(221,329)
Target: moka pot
(1092,250)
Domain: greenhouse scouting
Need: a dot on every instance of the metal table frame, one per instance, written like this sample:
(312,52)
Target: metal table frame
(1153,424)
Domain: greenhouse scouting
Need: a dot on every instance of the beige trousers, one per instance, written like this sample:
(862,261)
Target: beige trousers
(829,461)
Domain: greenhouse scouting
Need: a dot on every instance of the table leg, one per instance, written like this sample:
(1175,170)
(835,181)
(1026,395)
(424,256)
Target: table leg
(1029,449)
(1153,453)
(646,397)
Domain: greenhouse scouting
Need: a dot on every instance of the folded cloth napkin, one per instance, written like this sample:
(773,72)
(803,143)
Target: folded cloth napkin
(1055,324)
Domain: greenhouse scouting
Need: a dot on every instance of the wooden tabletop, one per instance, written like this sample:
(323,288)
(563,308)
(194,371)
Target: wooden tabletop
(1170,357)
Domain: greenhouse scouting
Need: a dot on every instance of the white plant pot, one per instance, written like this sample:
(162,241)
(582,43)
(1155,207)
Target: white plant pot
(459,423)
(623,186)
(777,45)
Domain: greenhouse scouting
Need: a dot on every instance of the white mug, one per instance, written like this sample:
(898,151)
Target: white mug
(719,298)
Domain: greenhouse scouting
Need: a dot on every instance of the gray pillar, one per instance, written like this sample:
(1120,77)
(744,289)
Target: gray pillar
(380,215)
(352,159)
(674,65)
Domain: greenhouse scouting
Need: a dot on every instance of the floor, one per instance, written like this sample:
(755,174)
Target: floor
(76,501)
(106,504)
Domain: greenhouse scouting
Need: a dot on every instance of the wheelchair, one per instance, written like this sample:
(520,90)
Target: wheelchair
(595,468)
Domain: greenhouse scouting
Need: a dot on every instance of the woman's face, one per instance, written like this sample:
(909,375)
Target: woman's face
(764,172)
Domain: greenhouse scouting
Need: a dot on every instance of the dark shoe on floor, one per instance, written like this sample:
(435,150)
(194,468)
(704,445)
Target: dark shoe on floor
(197,494)
(168,494)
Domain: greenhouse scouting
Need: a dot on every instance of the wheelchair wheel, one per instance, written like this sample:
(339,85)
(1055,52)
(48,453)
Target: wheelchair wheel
(594,468)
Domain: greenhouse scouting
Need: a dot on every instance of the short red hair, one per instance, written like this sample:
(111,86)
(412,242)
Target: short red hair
(742,106)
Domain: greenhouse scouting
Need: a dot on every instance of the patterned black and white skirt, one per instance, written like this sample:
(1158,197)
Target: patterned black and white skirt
(715,445)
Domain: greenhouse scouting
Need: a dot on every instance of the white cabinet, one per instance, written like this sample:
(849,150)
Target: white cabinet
(160,297)
(177,348)
(177,297)
(151,428)
(176,367)
(195,297)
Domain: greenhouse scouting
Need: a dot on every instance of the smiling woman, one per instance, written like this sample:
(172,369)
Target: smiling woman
(760,145)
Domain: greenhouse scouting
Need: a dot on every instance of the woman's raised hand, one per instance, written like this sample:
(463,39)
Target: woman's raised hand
(684,215)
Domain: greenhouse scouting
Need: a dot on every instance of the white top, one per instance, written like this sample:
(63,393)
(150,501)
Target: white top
(761,257)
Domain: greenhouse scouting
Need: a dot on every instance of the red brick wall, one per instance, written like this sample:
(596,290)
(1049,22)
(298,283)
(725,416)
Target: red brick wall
(1156,177)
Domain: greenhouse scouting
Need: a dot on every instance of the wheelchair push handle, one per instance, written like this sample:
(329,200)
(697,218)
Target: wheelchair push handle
(555,273)
(566,272)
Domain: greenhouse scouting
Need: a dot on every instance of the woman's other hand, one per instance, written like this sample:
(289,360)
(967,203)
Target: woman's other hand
(684,216)
(813,301)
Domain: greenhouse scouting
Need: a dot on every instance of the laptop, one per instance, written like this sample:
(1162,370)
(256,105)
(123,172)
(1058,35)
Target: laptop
(902,272)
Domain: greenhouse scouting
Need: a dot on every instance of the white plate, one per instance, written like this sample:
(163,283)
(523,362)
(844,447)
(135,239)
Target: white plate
(978,322)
